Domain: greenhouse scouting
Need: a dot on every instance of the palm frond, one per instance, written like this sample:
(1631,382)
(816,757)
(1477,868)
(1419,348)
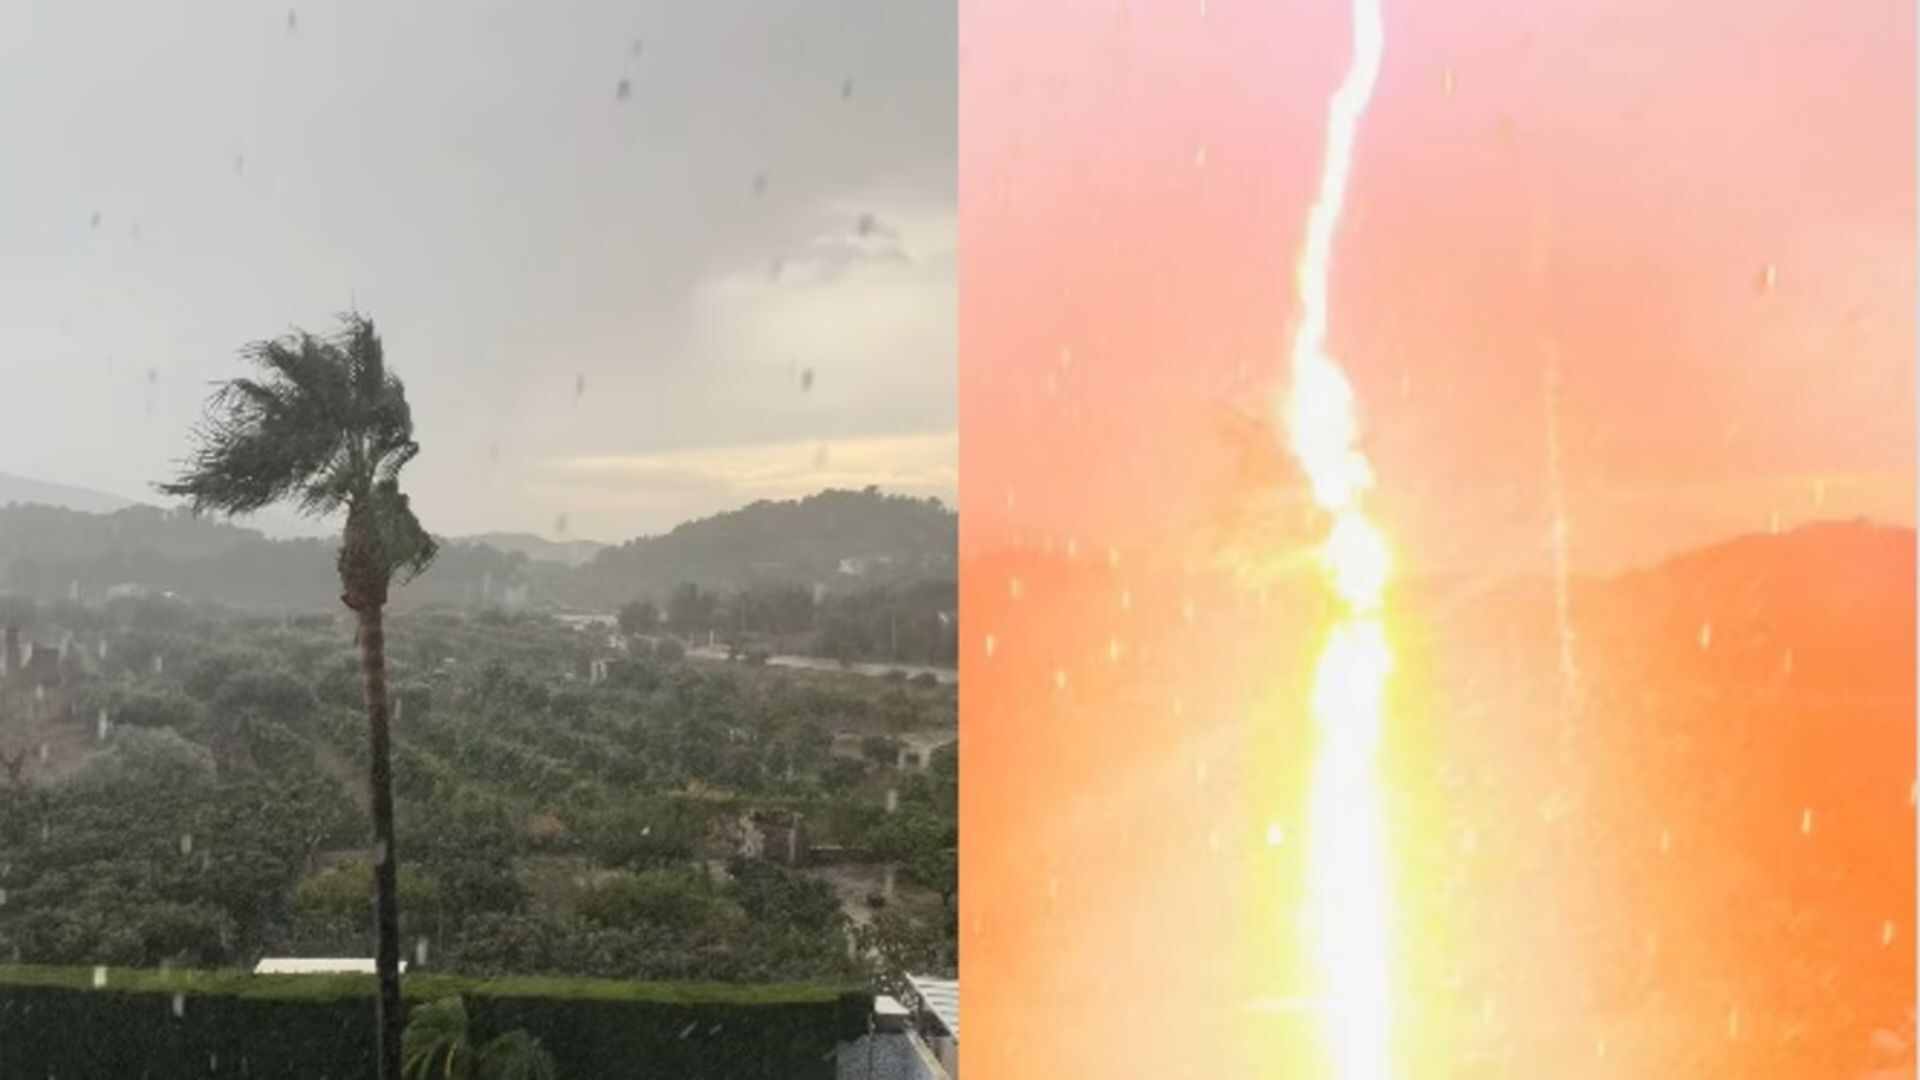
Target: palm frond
(435,1043)
(325,426)
(516,1055)
(406,548)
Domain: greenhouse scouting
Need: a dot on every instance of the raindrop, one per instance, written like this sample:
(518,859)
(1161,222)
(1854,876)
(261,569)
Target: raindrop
(1819,493)
(1113,650)
(1186,611)
(579,386)
(560,525)
(689,1029)
(1706,635)
(1126,600)
(992,644)
(43,758)
(493,452)
(1666,841)
(179,1005)
(623,90)
(638,48)
(3,897)
(380,853)
(1765,280)
(186,843)
(293,21)
(1886,931)
(1806,822)
(820,456)
(96,219)
(1733,1023)
(1059,679)
(136,230)
(1276,835)
(775,267)
(1773,523)
(806,380)
(239,164)
(1014,588)
(759,184)
(846,89)
(420,953)
(1200,157)
(1447,82)
(1053,889)
(99,976)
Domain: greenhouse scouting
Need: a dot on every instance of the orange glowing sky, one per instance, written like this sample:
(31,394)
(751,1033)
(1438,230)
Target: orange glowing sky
(1608,179)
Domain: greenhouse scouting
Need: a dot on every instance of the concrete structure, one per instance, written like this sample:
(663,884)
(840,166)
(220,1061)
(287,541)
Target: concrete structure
(302,965)
(936,1005)
(891,1050)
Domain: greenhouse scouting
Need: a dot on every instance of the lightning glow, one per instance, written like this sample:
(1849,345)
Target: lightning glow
(1347,878)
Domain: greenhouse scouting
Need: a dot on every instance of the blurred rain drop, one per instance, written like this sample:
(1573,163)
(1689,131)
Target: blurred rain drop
(96,219)
(99,976)
(759,184)
(992,643)
(866,224)
(820,456)
(1764,281)
(1806,822)
(420,953)
(1446,82)
(774,268)
(239,164)
(179,1005)
(1276,835)
(293,21)
(806,380)
(579,386)
(560,525)
(638,48)
(186,843)
(623,90)
(846,89)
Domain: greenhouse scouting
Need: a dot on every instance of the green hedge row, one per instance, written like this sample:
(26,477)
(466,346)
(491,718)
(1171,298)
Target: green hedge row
(162,1025)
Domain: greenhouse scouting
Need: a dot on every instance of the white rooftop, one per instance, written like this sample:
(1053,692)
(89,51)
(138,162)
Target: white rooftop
(941,997)
(312,965)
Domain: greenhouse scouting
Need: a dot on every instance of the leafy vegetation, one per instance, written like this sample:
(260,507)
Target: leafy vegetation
(549,821)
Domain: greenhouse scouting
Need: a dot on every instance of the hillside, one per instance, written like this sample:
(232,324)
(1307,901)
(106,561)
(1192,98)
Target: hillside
(834,536)
(847,541)
(539,548)
(22,490)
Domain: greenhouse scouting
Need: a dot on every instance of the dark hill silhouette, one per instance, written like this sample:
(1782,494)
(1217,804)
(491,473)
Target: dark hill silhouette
(44,551)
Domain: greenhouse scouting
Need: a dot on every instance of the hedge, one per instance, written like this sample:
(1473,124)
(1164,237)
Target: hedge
(172,1025)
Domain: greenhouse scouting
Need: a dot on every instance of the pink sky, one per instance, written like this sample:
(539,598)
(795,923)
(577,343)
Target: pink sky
(1610,180)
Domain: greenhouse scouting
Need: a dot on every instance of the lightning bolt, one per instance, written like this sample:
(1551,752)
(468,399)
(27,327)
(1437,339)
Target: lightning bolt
(1347,875)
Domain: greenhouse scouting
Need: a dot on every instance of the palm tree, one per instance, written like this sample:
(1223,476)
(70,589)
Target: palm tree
(327,428)
(438,1047)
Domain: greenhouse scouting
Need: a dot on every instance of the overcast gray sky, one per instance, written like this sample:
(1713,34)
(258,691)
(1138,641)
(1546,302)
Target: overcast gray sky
(605,303)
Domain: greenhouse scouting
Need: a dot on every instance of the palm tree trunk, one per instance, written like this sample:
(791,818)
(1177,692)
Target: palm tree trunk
(388,1014)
